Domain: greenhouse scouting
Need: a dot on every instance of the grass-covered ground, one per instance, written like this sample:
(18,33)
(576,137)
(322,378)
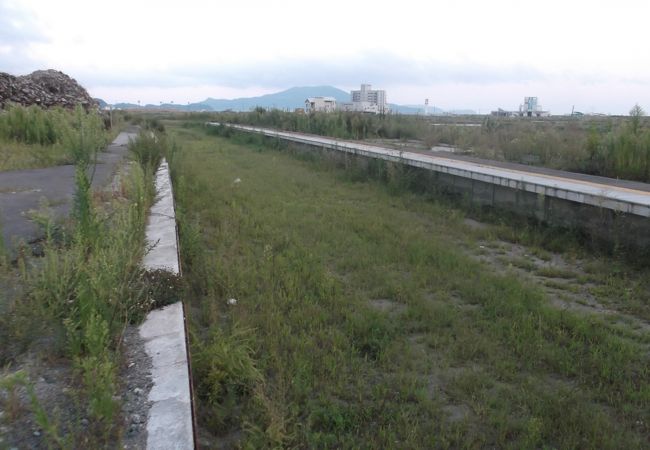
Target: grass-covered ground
(32,137)
(328,310)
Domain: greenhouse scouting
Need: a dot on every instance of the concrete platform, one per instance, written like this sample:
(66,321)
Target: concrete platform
(169,422)
(553,184)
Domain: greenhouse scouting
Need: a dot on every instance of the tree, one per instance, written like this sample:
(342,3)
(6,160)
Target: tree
(636,113)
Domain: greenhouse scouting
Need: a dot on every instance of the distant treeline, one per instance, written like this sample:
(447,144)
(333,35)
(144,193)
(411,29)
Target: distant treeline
(617,147)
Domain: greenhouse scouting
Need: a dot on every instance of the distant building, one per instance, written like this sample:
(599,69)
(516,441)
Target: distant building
(367,100)
(503,113)
(530,108)
(320,104)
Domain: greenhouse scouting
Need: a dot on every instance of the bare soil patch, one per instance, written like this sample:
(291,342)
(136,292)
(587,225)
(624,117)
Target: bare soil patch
(387,306)
(566,281)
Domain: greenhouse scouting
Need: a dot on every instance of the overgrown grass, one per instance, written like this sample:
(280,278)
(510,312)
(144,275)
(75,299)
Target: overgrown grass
(287,260)
(33,137)
(615,147)
(87,288)
(147,150)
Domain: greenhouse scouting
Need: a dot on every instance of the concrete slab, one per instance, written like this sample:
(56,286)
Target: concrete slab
(164,321)
(161,227)
(169,422)
(169,433)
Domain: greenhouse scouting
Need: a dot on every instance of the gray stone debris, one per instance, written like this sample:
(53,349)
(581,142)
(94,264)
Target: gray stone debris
(46,88)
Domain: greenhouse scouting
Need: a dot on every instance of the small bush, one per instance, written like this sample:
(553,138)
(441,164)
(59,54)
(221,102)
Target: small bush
(225,371)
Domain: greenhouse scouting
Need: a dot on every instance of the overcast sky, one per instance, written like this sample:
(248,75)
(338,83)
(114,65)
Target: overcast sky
(458,53)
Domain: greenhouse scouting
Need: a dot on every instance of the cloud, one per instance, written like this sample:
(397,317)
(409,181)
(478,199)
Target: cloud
(377,67)
(18,32)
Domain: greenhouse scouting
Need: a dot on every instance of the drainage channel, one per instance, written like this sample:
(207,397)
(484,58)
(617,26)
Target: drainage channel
(170,423)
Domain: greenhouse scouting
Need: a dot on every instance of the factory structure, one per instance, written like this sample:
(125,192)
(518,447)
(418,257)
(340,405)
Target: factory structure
(365,100)
(529,108)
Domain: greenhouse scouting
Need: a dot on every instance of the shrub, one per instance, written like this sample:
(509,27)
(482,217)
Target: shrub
(148,150)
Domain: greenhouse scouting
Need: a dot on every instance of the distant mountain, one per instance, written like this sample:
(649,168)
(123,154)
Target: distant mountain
(461,112)
(415,109)
(126,106)
(290,99)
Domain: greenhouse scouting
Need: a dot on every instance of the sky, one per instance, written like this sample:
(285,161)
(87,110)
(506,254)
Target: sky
(591,56)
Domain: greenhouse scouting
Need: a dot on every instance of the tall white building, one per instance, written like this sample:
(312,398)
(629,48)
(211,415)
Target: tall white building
(367,100)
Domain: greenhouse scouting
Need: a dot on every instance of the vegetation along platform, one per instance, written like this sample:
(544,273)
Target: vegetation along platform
(596,204)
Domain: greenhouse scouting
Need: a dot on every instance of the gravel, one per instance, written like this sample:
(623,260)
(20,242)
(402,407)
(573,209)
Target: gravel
(136,384)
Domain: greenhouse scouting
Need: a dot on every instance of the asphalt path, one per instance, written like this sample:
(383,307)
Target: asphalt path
(50,190)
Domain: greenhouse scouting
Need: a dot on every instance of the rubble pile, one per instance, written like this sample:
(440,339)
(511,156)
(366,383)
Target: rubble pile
(46,88)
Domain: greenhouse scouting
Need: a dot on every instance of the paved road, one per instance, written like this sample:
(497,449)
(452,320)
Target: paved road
(25,191)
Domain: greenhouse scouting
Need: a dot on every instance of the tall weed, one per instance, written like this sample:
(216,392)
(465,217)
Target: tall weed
(613,147)
(32,137)
(148,150)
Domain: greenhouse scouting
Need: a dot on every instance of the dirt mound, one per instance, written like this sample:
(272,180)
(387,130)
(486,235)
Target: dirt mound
(46,88)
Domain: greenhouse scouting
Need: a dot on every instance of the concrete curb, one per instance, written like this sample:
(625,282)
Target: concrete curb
(169,424)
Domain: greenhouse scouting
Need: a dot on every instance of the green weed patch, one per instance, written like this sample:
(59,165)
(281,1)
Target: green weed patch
(338,311)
